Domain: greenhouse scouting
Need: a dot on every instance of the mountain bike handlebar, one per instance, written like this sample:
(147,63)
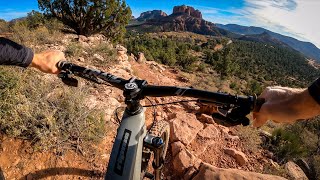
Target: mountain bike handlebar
(232,107)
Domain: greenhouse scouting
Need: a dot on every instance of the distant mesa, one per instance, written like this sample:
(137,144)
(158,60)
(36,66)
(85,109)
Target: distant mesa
(183,18)
(177,10)
(188,10)
(155,14)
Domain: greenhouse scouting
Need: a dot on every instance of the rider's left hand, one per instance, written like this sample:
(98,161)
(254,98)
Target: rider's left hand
(46,61)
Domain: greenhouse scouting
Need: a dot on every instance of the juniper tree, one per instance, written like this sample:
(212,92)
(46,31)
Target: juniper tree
(89,17)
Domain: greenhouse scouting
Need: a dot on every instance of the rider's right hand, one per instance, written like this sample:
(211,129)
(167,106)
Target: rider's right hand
(283,104)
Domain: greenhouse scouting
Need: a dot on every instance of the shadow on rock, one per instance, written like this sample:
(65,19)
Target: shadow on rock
(1,174)
(63,171)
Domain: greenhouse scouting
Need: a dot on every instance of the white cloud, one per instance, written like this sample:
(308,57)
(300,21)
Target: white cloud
(297,18)
(229,15)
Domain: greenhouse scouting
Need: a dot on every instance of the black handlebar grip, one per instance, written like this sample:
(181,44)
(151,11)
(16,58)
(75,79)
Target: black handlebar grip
(259,103)
(61,64)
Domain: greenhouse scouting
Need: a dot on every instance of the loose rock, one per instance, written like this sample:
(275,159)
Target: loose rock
(183,160)
(190,173)
(208,171)
(206,119)
(295,171)
(176,147)
(210,132)
(238,155)
(98,57)
(141,58)
(81,59)
(184,128)
(82,38)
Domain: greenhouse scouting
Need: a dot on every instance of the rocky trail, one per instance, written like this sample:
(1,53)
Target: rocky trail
(199,148)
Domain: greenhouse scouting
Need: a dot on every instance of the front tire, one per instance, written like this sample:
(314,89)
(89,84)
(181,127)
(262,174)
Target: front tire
(161,129)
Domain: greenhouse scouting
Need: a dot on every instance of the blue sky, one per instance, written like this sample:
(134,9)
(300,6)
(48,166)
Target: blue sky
(296,18)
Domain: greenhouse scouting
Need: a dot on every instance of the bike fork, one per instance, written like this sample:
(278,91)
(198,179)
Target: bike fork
(155,144)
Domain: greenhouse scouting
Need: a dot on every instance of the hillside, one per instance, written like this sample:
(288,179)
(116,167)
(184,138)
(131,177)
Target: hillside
(244,59)
(263,38)
(306,48)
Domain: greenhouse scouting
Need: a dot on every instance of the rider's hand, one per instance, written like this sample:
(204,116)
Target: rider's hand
(286,105)
(46,61)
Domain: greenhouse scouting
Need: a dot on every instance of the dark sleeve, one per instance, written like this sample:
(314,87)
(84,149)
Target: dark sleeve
(314,90)
(12,53)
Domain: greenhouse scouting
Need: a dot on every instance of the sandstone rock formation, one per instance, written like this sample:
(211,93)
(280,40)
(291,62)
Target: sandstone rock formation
(183,18)
(155,14)
(122,53)
(188,10)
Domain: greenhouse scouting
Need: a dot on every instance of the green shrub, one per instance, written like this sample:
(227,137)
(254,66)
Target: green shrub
(211,57)
(35,19)
(233,85)
(188,63)
(287,145)
(74,49)
(197,48)
(254,87)
(201,67)
(105,50)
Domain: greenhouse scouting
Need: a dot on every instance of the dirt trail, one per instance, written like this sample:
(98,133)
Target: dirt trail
(19,161)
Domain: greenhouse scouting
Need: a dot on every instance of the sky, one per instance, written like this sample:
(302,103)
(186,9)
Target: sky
(295,18)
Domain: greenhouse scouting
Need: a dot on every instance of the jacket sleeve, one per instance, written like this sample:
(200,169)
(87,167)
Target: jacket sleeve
(12,53)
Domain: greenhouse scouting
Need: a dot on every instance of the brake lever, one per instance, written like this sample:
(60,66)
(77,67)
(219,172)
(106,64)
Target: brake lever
(223,110)
(67,79)
(230,116)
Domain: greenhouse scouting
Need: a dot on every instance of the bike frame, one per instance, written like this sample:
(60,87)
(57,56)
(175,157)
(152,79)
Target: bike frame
(126,156)
(131,139)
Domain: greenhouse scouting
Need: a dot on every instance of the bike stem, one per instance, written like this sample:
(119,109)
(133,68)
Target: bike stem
(132,93)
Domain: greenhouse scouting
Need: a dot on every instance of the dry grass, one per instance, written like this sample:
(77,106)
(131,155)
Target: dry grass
(35,37)
(46,112)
